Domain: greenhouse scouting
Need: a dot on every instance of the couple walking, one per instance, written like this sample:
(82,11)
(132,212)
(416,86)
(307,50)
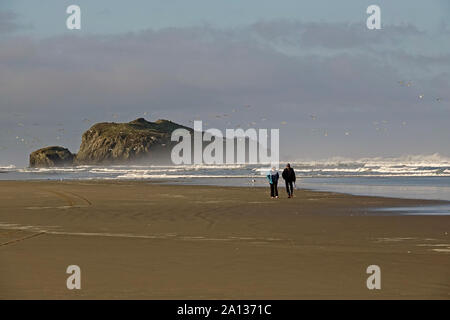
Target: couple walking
(289,178)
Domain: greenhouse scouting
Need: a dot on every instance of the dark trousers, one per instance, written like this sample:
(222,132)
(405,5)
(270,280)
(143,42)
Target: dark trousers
(274,189)
(289,188)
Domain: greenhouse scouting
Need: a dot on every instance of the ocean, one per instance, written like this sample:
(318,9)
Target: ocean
(404,178)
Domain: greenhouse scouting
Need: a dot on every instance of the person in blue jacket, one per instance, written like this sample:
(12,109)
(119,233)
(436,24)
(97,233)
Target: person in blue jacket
(273,177)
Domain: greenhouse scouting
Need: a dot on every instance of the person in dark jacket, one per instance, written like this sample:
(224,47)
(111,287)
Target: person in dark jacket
(273,177)
(289,178)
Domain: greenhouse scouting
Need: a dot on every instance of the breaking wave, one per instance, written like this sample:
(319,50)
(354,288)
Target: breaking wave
(7,167)
(433,165)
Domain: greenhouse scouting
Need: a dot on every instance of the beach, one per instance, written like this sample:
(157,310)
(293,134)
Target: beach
(141,240)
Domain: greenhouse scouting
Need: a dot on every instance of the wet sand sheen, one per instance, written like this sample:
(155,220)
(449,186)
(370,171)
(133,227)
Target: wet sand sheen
(149,241)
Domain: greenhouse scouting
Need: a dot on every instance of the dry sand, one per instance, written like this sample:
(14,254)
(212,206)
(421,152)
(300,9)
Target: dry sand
(137,240)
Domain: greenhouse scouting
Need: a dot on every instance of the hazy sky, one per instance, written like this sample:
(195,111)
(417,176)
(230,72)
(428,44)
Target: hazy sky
(310,68)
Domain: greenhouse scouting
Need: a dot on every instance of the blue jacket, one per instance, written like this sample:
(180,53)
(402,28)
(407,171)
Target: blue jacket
(273,178)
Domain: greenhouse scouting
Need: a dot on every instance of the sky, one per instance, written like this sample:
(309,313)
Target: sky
(310,68)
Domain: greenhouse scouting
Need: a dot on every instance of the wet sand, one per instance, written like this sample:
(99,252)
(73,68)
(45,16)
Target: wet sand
(138,240)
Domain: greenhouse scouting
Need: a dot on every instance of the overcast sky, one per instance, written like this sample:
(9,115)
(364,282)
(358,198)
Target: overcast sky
(311,68)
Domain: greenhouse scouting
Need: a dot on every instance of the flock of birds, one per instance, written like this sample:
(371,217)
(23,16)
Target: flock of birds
(380,126)
(28,140)
(410,84)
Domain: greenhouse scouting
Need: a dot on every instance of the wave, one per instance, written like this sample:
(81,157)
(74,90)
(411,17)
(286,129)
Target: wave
(51,170)
(435,160)
(405,166)
(138,171)
(184,176)
(7,168)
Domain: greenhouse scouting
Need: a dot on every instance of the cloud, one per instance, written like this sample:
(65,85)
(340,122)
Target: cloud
(198,67)
(8,22)
(199,72)
(331,35)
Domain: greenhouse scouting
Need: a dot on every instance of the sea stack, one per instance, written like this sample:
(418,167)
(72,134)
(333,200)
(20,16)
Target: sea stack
(51,157)
(135,141)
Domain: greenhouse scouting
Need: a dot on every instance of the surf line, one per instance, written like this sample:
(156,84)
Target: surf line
(22,239)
